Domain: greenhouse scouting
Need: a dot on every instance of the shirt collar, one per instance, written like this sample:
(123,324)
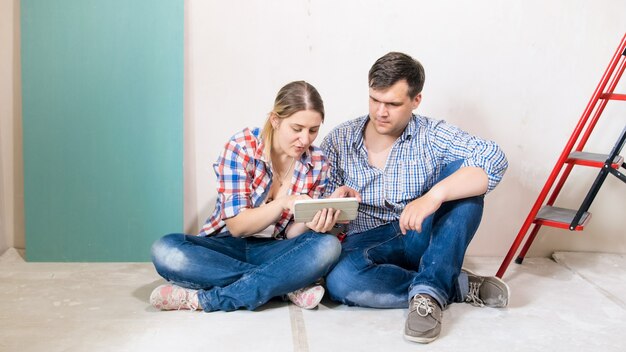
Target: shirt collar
(306,159)
(409,131)
(360,127)
(411,128)
(259,152)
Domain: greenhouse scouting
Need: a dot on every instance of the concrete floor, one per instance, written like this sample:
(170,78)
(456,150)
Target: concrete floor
(575,303)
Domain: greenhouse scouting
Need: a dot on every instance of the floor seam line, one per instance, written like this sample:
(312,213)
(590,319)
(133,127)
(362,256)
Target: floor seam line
(604,292)
(298,329)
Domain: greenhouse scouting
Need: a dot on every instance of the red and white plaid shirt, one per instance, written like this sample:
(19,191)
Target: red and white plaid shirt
(244,177)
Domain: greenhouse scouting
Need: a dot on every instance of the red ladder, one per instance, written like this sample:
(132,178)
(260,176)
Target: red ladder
(550,215)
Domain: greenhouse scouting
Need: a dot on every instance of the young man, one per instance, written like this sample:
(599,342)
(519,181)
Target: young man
(421,183)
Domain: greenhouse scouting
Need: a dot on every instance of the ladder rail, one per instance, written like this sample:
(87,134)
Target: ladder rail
(604,172)
(618,174)
(594,120)
(603,103)
(560,184)
(582,122)
(583,141)
(529,241)
(591,195)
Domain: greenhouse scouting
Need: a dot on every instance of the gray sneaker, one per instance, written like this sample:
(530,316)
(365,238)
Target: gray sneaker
(487,291)
(423,323)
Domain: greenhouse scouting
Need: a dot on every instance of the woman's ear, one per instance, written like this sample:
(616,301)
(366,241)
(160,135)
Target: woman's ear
(274,120)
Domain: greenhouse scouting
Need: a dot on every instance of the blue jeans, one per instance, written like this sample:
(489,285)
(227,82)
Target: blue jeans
(382,268)
(231,272)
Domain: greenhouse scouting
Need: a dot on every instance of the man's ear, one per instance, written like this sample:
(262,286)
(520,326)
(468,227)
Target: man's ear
(416,101)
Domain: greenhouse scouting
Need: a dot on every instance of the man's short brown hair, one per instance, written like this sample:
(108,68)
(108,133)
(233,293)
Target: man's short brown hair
(394,67)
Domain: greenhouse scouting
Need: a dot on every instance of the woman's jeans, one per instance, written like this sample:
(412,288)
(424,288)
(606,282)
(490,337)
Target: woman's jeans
(231,272)
(382,268)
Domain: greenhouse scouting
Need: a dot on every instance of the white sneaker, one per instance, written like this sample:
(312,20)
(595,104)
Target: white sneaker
(308,297)
(172,297)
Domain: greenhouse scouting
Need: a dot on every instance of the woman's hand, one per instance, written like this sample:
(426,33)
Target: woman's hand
(288,201)
(324,220)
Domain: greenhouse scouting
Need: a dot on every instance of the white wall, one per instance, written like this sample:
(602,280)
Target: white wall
(518,72)
(11,189)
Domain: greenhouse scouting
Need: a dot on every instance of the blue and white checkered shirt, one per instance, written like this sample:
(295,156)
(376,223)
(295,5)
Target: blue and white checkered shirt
(413,165)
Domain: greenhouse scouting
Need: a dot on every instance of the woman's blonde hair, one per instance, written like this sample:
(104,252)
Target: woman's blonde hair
(293,97)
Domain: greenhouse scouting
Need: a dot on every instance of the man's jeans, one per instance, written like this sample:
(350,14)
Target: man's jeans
(382,268)
(231,272)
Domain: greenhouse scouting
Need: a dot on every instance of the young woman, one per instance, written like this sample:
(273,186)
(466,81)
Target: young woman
(250,250)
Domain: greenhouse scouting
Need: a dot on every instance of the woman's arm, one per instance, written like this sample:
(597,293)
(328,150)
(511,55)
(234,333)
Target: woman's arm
(254,220)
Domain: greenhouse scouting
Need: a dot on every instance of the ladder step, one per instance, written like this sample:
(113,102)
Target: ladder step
(592,159)
(560,217)
(613,96)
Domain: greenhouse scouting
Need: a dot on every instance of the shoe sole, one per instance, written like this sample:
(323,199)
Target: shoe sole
(420,339)
(495,278)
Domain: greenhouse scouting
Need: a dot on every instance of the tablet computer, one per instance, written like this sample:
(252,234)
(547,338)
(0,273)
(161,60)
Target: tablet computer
(305,209)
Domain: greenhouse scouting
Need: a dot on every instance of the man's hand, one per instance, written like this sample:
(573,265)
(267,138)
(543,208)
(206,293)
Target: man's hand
(415,212)
(346,192)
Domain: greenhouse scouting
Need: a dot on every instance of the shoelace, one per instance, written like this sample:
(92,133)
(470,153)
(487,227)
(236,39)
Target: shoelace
(188,302)
(185,303)
(423,306)
(473,296)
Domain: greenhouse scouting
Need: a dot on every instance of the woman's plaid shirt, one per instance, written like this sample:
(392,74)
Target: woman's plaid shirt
(244,178)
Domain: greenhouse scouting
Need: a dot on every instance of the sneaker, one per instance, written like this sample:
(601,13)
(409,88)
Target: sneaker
(308,297)
(172,297)
(423,324)
(487,291)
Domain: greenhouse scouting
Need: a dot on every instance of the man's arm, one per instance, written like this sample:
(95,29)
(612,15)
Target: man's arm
(483,166)
(463,183)
(335,187)
(335,173)
(451,144)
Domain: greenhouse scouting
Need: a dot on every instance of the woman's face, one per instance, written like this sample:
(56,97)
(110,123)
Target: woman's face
(293,135)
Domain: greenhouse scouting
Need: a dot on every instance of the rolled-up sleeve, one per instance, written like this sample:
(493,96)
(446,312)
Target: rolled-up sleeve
(322,180)
(335,179)
(452,143)
(233,181)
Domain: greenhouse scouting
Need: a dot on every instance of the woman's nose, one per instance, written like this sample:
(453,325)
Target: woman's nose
(305,139)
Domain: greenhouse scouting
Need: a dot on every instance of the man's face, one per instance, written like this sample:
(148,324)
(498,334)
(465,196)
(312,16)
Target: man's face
(391,108)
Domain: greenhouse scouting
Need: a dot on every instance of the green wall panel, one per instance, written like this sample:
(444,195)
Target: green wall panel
(102,102)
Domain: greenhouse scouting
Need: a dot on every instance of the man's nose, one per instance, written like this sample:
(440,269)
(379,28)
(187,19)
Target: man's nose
(382,109)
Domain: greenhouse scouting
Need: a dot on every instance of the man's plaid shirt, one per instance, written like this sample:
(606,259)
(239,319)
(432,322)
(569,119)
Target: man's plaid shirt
(413,165)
